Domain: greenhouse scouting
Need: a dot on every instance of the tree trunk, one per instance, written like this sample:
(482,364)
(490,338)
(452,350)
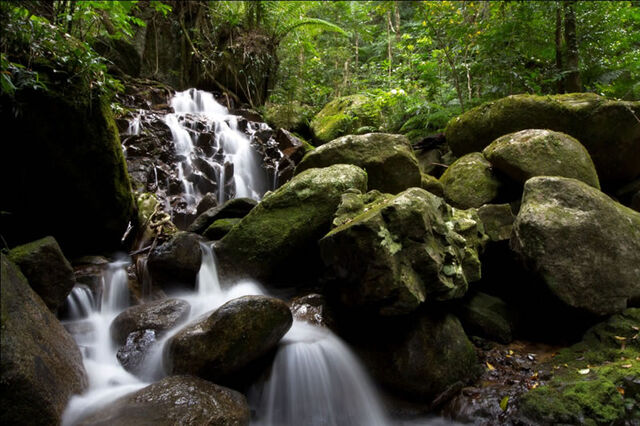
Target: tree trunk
(396,12)
(572,82)
(389,26)
(560,85)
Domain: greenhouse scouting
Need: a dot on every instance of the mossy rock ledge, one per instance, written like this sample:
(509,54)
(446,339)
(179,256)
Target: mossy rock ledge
(390,254)
(584,245)
(69,149)
(608,129)
(343,116)
(388,159)
(278,239)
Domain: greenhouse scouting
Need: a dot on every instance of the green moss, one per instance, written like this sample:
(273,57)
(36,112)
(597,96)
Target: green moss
(469,182)
(343,116)
(220,228)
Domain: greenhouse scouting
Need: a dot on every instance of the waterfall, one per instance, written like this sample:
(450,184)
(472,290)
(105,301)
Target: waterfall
(231,147)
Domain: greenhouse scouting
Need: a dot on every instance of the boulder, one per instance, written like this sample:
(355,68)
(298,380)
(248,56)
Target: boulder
(487,316)
(388,159)
(207,202)
(278,238)
(432,184)
(393,253)
(311,308)
(420,357)
(497,220)
(234,208)
(159,316)
(175,400)
(220,228)
(218,346)
(584,245)
(49,273)
(470,182)
(608,129)
(537,152)
(176,263)
(137,346)
(41,364)
(292,146)
(342,116)
(77,164)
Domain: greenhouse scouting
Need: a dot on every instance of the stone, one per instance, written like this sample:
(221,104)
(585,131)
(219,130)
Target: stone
(497,220)
(608,129)
(234,208)
(137,346)
(278,239)
(311,308)
(207,202)
(388,160)
(220,228)
(159,316)
(49,273)
(342,116)
(392,253)
(292,146)
(218,346)
(432,184)
(488,316)
(176,263)
(41,364)
(470,182)
(175,400)
(538,152)
(584,245)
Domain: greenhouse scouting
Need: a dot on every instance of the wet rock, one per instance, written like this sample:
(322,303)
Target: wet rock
(536,152)
(207,202)
(487,316)
(235,208)
(175,400)
(291,146)
(41,364)
(49,273)
(220,345)
(278,238)
(606,128)
(388,159)
(470,182)
(393,253)
(311,308)
(249,114)
(220,228)
(133,353)
(176,262)
(159,316)
(584,245)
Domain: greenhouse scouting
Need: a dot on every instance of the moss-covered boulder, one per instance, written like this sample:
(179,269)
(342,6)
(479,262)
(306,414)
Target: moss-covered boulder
(584,245)
(432,184)
(278,238)
(497,220)
(538,152)
(234,208)
(393,253)
(343,116)
(220,228)
(49,273)
(594,382)
(419,357)
(470,182)
(70,151)
(608,129)
(224,342)
(41,364)
(175,400)
(488,316)
(176,262)
(388,159)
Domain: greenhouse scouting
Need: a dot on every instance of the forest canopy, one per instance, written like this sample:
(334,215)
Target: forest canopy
(417,63)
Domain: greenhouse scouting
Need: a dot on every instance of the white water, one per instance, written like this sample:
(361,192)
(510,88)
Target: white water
(315,379)
(248,177)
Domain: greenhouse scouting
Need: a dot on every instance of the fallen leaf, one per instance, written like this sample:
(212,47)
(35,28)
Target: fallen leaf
(626,366)
(535,385)
(619,338)
(490,367)
(620,390)
(504,403)
(535,375)
(584,371)
(635,328)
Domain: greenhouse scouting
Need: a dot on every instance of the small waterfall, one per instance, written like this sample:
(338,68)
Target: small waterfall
(316,380)
(80,302)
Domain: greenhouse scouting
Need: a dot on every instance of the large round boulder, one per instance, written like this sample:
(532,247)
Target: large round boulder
(394,252)
(343,116)
(278,238)
(176,263)
(175,400)
(470,182)
(608,129)
(234,208)
(224,342)
(584,245)
(388,159)
(49,273)
(41,364)
(159,316)
(539,152)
